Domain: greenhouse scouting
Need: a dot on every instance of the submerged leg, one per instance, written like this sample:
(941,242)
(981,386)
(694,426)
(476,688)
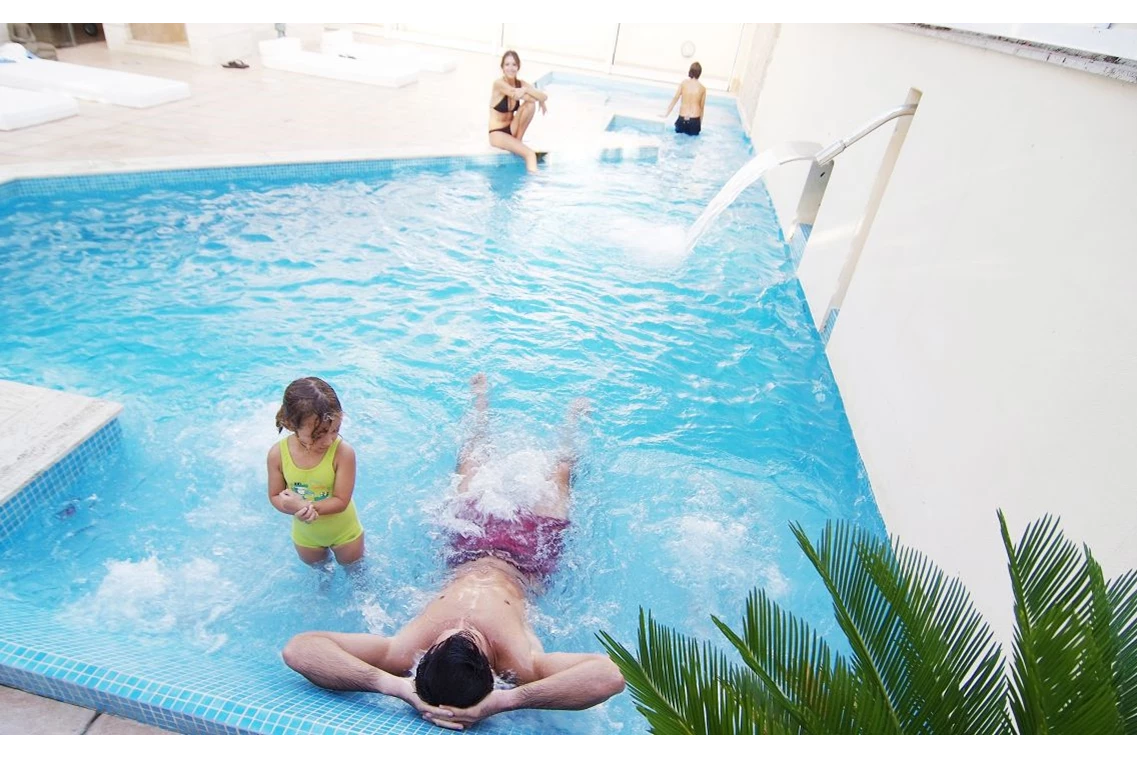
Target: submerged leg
(313,556)
(566,462)
(472,452)
(349,552)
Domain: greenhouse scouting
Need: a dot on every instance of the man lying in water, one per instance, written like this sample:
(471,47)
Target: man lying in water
(477,626)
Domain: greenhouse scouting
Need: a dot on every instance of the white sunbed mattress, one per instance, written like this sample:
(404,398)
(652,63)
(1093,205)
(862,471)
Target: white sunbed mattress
(102,85)
(21,107)
(342,43)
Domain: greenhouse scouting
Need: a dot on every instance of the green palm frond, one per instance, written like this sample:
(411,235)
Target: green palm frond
(681,687)
(942,666)
(1061,678)
(918,643)
(1123,600)
(857,603)
(923,660)
(816,691)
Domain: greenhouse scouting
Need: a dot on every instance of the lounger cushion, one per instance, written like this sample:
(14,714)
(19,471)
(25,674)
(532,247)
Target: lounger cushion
(20,108)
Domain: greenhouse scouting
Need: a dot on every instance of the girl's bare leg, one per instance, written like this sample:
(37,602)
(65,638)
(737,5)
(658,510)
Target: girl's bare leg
(349,552)
(517,147)
(521,119)
(311,555)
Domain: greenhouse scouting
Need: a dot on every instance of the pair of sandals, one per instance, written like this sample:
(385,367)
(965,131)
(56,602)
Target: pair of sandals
(236,63)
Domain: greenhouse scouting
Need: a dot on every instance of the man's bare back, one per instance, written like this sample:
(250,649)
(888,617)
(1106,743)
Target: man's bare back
(489,596)
(692,96)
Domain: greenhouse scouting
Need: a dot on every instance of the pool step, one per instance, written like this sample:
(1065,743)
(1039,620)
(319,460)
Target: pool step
(49,438)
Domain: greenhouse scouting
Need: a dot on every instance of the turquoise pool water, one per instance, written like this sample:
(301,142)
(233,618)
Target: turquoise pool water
(716,417)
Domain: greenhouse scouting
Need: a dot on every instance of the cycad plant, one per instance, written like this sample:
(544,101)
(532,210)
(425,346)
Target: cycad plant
(922,659)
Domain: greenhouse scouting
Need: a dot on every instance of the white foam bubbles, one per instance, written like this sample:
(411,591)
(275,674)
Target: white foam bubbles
(647,244)
(151,597)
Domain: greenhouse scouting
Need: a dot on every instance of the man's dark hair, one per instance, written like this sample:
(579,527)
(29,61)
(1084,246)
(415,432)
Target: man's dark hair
(695,71)
(454,672)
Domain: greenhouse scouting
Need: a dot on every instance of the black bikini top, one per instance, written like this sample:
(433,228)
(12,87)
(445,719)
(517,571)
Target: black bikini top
(503,106)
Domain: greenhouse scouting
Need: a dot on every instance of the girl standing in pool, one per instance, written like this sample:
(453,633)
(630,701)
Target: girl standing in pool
(311,474)
(512,105)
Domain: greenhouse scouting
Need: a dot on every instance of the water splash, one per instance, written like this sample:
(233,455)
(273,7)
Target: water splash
(751,172)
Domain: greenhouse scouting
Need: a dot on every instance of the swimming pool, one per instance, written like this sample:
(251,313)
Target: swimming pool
(163,585)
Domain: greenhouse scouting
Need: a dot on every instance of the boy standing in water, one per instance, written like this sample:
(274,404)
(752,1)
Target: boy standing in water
(694,96)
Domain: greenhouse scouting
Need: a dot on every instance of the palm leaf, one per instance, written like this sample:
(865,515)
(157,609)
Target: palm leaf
(941,664)
(1122,595)
(814,690)
(682,687)
(1061,680)
(857,603)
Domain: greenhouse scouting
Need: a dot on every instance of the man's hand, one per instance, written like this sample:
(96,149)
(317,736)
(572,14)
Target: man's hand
(449,717)
(439,715)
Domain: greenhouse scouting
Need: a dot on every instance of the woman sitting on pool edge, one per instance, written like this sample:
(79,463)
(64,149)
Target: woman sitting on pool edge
(512,104)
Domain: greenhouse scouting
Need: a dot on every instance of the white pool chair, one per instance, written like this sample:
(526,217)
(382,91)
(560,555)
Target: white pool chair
(341,42)
(103,85)
(286,54)
(21,107)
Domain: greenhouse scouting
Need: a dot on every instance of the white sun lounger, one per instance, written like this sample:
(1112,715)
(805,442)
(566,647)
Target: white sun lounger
(341,42)
(286,54)
(21,107)
(102,85)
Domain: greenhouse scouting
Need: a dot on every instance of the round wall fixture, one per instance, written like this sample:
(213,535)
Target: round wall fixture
(687,49)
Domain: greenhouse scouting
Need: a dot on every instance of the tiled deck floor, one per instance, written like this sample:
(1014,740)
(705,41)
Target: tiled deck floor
(241,116)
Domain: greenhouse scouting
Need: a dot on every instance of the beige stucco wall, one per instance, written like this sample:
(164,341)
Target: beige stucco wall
(209,44)
(986,351)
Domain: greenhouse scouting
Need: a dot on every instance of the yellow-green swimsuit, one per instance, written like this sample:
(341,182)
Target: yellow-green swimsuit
(314,485)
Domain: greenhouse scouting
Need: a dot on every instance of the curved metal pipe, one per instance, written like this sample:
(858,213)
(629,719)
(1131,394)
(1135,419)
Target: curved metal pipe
(839,146)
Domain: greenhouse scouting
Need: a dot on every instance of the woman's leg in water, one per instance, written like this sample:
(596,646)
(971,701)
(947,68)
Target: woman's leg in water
(517,147)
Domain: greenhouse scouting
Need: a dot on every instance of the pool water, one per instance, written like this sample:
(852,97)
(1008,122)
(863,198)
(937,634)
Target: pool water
(715,422)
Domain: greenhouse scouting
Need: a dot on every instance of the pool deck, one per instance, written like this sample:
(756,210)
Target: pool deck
(258,116)
(238,117)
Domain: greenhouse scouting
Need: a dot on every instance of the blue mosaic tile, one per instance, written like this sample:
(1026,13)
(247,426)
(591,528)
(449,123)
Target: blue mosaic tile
(827,327)
(797,243)
(15,511)
(282,172)
(7,192)
(182,692)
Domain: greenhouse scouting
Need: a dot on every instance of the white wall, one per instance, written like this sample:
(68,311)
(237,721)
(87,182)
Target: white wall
(591,42)
(658,47)
(650,51)
(212,44)
(480,37)
(986,351)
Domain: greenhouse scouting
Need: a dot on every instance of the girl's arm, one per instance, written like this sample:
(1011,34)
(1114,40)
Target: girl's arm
(501,87)
(532,93)
(344,465)
(283,499)
(703,103)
